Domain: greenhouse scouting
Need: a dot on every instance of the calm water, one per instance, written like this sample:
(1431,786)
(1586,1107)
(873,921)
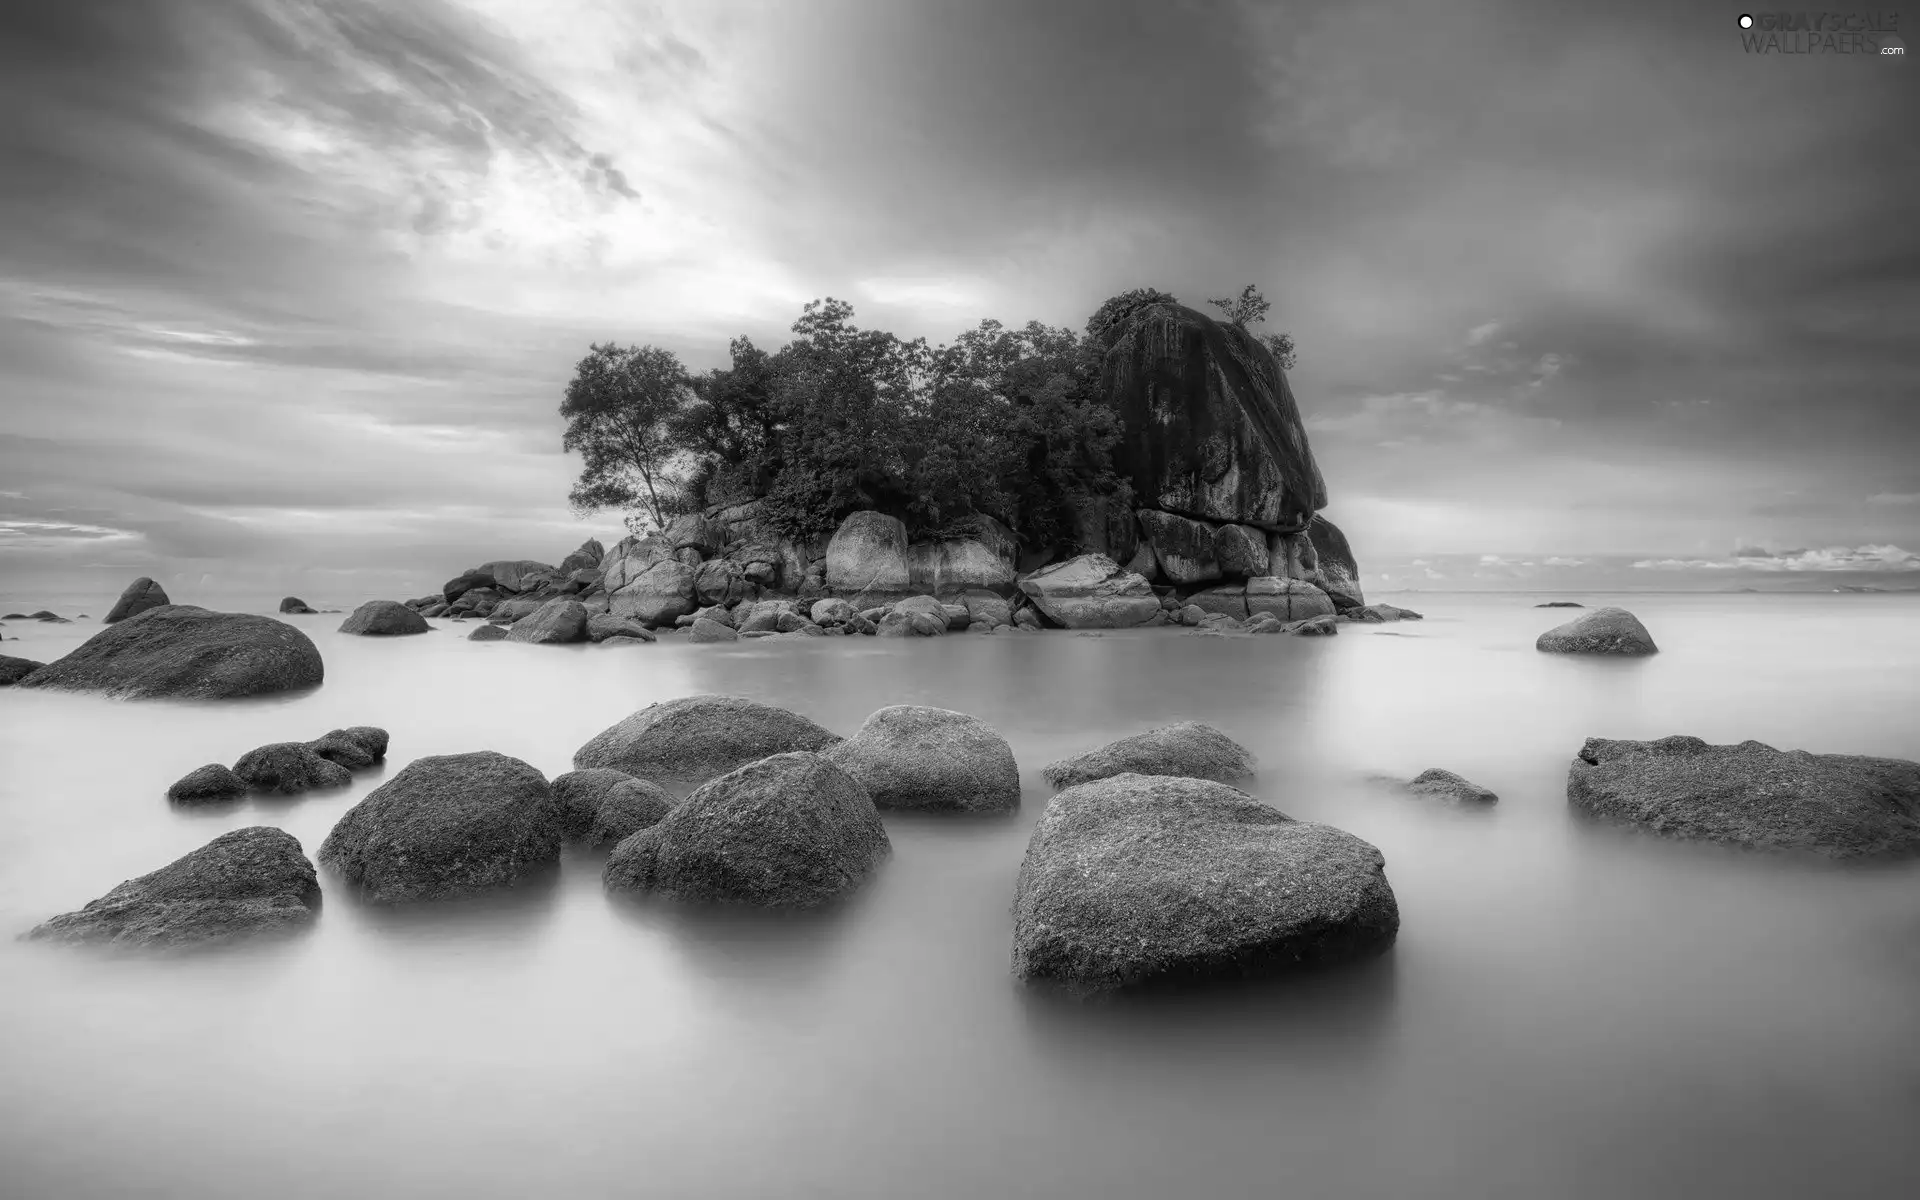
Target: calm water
(1570,1011)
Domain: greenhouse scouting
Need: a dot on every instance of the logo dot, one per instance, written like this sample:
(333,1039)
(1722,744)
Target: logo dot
(1746,22)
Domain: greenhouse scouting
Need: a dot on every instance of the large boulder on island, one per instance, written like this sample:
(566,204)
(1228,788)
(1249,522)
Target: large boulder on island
(384,618)
(557,622)
(657,594)
(1189,748)
(789,831)
(13,670)
(868,553)
(187,653)
(913,756)
(447,825)
(141,595)
(1139,879)
(240,885)
(949,567)
(1209,426)
(628,558)
(289,767)
(1752,795)
(1183,548)
(683,743)
(1606,630)
(1091,592)
(1333,569)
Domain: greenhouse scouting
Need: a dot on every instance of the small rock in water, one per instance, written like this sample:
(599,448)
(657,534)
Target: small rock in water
(210,784)
(1188,748)
(1561,604)
(688,741)
(488,633)
(294,605)
(1437,782)
(1314,627)
(242,884)
(384,618)
(354,749)
(913,756)
(289,767)
(1601,631)
(602,806)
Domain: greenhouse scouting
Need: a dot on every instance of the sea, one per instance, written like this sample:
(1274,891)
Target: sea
(1570,1010)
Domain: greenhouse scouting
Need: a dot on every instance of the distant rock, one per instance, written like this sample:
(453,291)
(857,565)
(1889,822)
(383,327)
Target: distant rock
(696,531)
(242,884)
(586,558)
(601,626)
(831,611)
(1602,631)
(1287,599)
(183,652)
(868,554)
(913,756)
(1752,795)
(211,784)
(1437,782)
(909,622)
(141,595)
(294,606)
(1325,626)
(384,618)
(446,826)
(1090,592)
(1183,547)
(289,767)
(558,622)
(657,594)
(1227,600)
(946,568)
(722,581)
(685,742)
(1561,604)
(13,670)
(987,608)
(517,575)
(488,633)
(789,831)
(1138,879)
(1188,748)
(705,629)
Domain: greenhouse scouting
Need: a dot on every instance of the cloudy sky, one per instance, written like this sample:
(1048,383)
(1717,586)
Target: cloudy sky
(1583,293)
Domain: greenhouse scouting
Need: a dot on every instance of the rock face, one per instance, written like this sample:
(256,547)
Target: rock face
(242,884)
(294,605)
(447,825)
(1189,748)
(210,784)
(912,756)
(1141,879)
(950,567)
(868,554)
(1091,592)
(1182,548)
(1752,795)
(1334,570)
(13,670)
(1287,599)
(1602,631)
(790,831)
(183,652)
(384,618)
(289,767)
(1241,551)
(685,742)
(141,595)
(658,593)
(1437,782)
(557,622)
(1209,426)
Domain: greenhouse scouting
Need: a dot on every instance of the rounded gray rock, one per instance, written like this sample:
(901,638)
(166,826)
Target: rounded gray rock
(182,652)
(210,784)
(1189,748)
(913,756)
(141,595)
(1601,631)
(384,618)
(289,767)
(685,742)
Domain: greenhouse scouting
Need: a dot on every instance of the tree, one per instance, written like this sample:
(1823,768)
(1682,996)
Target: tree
(1249,308)
(622,407)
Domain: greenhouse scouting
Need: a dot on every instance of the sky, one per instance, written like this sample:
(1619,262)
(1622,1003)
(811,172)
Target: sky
(1585,295)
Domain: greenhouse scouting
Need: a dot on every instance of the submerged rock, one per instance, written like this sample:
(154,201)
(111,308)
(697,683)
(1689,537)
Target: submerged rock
(1141,879)
(913,756)
(384,618)
(242,884)
(790,831)
(685,742)
(187,653)
(488,633)
(1602,631)
(211,784)
(13,670)
(1090,592)
(1561,604)
(1189,748)
(141,595)
(447,825)
(289,767)
(1752,795)
(1437,782)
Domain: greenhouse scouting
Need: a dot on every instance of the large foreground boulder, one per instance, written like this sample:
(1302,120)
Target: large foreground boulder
(790,831)
(1091,592)
(913,756)
(384,618)
(1189,748)
(1607,630)
(1147,879)
(447,825)
(868,554)
(187,653)
(242,884)
(141,595)
(683,743)
(13,670)
(1752,795)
